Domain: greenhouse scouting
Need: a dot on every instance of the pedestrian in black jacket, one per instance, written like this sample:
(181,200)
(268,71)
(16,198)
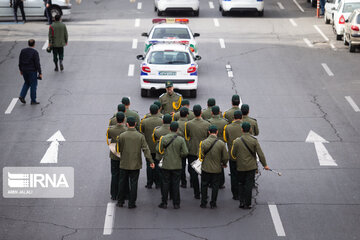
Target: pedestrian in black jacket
(48,4)
(29,66)
(18,4)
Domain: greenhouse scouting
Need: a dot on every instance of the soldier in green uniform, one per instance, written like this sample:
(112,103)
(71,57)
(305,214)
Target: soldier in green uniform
(173,148)
(120,108)
(196,130)
(184,103)
(184,112)
(220,123)
(254,130)
(229,114)
(170,101)
(129,145)
(160,131)
(158,104)
(231,132)
(131,113)
(243,151)
(147,127)
(214,158)
(207,112)
(113,133)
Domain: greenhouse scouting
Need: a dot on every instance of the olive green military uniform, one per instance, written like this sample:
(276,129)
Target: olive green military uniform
(132,113)
(149,115)
(181,132)
(58,38)
(254,130)
(130,144)
(147,128)
(246,164)
(174,149)
(157,134)
(196,130)
(229,114)
(190,116)
(231,132)
(211,167)
(113,121)
(207,113)
(168,100)
(113,133)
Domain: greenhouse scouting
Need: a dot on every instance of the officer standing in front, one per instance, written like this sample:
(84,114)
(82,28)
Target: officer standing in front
(173,148)
(254,130)
(130,145)
(170,101)
(196,130)
(214,158)
(229,114)
(243,151)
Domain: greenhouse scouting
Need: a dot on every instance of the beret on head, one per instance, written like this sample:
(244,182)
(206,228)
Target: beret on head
(246,126)
(174,126)
(185,102)
(235,97)
(120,116)
(167,118)
(121,107)
(158,103)
(212,129)
(211,102)
(131,121)
(197,107)
(125,100)
(237,114)
(169,84)
(153,109)
(245,108)
(184,111)
(215,110)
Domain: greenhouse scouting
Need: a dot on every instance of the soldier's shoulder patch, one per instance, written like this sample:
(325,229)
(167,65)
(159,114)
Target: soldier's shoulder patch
(162,95)
(253,119)
(178,94)
(253,137)
(157,127)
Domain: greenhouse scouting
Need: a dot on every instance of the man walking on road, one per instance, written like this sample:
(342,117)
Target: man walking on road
(18,4)
(58,38)
(229,114)
(29,66)
(48,15)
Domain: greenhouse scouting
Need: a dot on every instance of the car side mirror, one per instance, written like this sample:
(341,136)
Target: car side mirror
(197,58)
(140,57)
(196,35)
(145,34)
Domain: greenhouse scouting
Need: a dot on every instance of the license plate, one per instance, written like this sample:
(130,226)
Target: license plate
(167,73)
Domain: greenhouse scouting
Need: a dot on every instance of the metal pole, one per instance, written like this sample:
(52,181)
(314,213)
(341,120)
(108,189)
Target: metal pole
(318,8)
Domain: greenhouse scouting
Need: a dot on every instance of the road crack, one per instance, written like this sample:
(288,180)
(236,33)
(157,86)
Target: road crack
(9,53)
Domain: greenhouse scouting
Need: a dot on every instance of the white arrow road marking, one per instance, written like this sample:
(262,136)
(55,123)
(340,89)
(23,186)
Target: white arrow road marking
(325,159)
(51,155)
(131,70)
(109,218)
(327,69)
(11,106)
(276,220)
(352,103)
(216,22)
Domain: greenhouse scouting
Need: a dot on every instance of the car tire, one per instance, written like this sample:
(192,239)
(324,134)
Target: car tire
(327,21)
(351,48)
(223,13)
(144,92)
(346,43)
(193,93)
(55,10)
(220,8)
(339,37)
(261,13)
(196,13)
(155,9)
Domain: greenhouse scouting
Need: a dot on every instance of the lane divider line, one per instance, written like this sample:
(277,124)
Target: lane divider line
(352,104)
(222,42)
(327,69)
(137,22)
(321,33)
(45,45)
(216,22)
(332,46)
(211,4)
(308,42)
(276,220)
(139,5)
(293,22)
(11,105)
(134,43)
(131,70)
(109,218)
(280,5)
(298,5)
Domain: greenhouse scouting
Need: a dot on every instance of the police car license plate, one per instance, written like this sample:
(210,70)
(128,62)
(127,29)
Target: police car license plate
(167,73)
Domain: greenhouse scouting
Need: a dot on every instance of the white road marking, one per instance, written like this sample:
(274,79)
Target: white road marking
(139,5)
(228,66)
(321,33)
(324,157)
(11,106)
(211,4)
(293,22)
(51,154)
(308,42)
(352,103)
(216,22)
(276,220)
(134,43)
(230,74)
(131,70)
(332,46)
(137,22)
(222,42)
(327,69)
(280,5)
(45,45)
(109,218)
(298,5)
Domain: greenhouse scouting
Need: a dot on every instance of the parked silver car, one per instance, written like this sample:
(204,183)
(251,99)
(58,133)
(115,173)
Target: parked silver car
(351,30)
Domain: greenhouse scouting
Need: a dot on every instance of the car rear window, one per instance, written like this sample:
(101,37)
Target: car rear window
(350,7)
(166,33)
(358,19)
(169,57)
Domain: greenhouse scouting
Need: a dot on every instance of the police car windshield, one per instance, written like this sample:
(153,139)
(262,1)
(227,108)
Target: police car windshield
(350,7)
(166,33)
(169,57)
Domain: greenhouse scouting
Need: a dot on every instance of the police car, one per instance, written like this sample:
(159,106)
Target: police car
(169,62)
(161,6)
(170,30)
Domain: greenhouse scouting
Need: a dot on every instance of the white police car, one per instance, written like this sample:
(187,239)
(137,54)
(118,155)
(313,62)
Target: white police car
(170,30)
(162,6)
(227,6)
(169,62)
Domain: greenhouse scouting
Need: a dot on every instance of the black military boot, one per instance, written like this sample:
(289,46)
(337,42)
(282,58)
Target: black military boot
(61,65)
(56,67)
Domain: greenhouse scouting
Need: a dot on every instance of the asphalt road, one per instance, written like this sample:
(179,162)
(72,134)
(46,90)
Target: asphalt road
(275,71)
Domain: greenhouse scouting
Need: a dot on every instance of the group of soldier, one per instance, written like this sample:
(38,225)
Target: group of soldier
(171,134)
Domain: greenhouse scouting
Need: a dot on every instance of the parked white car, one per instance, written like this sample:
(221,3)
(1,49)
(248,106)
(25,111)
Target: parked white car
(36,8)
(345,8)
(330,8)
(352,31)
(227,6)
(162,6)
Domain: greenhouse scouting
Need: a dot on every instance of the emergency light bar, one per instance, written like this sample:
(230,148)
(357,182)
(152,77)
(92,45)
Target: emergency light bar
(170,20)
(169,42)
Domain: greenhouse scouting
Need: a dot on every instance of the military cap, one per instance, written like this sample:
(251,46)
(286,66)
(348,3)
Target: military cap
(131,121)
(185,102)
(120,116)
(235,97)
(197,107)
(237,114)
(174,126)
(246,126)
(121,107)
(169,84)
(184,111)
(125,100)
(245,109)
(212,128)
(167,118)
(215,110)
(153,109)
(158,103)
(211,102)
